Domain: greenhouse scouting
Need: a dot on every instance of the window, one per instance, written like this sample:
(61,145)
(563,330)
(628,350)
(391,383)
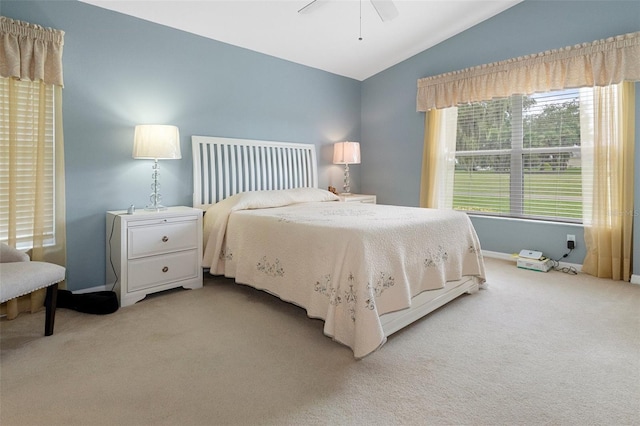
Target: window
(521,156)
(27,164)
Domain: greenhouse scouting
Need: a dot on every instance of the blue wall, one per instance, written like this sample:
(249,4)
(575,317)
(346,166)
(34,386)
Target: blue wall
(393,130)
(120,71)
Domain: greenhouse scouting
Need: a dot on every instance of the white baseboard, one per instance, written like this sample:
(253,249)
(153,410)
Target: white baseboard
(498,255)
(511,257)
(635,279)
(91,290)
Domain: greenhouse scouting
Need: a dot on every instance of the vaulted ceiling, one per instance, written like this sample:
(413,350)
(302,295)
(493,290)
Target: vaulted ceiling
(328,36)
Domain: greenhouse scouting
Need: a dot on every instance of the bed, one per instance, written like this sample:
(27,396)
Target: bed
(367,270)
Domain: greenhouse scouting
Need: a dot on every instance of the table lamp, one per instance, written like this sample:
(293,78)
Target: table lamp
(156,142)
(346,153)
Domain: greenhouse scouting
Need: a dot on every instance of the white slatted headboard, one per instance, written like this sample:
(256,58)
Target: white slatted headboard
(224,166)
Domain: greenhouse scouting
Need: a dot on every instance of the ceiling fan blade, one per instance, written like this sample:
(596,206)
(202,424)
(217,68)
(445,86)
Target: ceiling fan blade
(386,9)
(311,6)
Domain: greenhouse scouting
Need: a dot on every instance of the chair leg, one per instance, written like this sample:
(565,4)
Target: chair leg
(50,304)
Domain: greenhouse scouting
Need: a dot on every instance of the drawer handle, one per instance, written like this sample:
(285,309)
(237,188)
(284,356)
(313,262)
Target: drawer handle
(165,239)
(165,269)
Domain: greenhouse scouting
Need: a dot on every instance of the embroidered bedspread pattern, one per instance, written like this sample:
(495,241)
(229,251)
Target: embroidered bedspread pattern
(217,216)
(348,263)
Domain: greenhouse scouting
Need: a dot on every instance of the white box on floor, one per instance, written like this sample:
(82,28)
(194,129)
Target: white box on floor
(542,265)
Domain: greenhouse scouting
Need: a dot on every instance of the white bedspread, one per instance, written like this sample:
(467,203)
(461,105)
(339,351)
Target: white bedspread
(346,263)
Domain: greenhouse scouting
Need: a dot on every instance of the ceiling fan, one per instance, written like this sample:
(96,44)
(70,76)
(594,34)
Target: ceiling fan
(385,8)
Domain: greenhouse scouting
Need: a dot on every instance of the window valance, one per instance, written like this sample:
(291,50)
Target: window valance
(600,63)
(30,52)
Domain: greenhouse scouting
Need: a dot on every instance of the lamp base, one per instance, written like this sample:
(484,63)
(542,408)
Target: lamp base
(346,189)
(155,196)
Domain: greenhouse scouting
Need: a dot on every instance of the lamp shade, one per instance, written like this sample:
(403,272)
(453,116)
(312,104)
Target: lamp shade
(156,142)
(346,153)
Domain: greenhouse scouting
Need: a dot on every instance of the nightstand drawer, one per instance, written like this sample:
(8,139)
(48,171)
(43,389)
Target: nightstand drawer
(157,270)
(163,238)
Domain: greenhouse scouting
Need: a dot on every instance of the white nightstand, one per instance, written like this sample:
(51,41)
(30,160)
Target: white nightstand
(357,198)
(153,251)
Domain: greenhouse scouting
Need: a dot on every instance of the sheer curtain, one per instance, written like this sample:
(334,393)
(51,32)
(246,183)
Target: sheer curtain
(597,65)
(608,142)
(438,160)
(31,79)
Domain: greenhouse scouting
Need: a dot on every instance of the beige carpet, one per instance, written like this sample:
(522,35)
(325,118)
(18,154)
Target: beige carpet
(531,349)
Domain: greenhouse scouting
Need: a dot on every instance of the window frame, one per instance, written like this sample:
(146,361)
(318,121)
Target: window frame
(517,153)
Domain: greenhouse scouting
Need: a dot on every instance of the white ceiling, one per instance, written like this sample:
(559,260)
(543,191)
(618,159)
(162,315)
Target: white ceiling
(326,38)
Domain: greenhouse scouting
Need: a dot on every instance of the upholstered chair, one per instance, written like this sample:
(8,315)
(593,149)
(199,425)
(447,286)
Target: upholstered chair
(19,276)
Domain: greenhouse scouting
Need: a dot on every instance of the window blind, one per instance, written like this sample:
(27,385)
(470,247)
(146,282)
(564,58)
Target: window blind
(22,157)
(521,156)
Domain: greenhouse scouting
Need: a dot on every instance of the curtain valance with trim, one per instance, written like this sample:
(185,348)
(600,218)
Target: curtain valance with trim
(600,63)
(30,52)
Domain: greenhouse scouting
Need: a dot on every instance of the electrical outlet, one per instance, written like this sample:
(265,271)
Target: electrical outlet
(571,241)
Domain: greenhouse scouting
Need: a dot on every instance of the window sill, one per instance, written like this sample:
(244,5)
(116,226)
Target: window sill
(523,220)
